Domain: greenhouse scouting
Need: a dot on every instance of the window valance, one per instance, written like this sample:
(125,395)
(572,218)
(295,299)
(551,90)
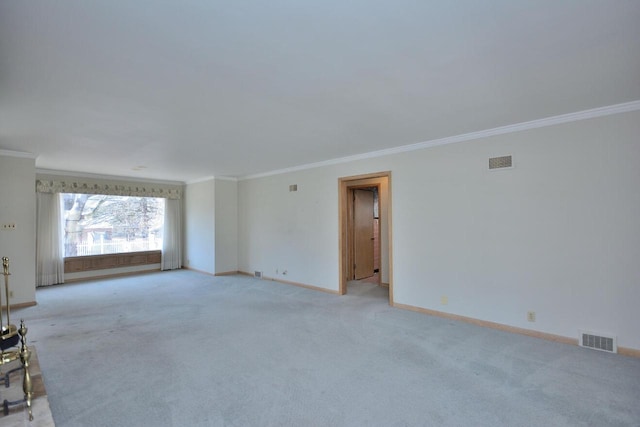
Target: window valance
(132,190)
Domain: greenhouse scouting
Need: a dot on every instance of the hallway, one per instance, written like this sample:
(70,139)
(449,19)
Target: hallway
(368,287)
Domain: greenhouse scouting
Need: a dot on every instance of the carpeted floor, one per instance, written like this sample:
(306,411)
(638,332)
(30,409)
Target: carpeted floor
(185,349)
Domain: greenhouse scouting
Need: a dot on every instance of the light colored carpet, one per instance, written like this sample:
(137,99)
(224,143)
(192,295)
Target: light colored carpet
(185,349)
(40,405)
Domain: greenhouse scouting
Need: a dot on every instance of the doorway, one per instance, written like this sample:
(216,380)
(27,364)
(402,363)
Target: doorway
(364,202)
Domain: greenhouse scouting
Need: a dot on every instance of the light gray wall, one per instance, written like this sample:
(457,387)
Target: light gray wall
(558,234)
(226,219)
(294,231)
(199,226)
(18,206)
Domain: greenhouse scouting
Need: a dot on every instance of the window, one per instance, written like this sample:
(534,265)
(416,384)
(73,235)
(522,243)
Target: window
(99,224)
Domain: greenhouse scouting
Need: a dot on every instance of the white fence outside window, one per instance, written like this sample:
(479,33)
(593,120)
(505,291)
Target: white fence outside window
(117,246)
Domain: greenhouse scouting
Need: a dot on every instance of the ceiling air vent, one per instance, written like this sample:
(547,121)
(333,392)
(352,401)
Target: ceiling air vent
(500,162)
(598,342)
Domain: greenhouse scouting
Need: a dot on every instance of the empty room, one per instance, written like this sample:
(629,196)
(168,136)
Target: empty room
(289,213)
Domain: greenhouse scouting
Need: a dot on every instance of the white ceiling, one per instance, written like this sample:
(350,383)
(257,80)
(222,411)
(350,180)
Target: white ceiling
(185,89)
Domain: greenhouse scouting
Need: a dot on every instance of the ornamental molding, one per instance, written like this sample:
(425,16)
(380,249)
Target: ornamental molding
(134,190)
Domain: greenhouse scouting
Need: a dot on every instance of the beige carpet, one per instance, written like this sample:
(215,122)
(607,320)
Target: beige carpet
(40,404)
(181,348)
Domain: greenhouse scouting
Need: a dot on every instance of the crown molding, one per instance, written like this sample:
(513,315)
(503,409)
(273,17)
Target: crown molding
(21,154)
(518,127)
(203,179)
(227,178)
(211,178)
(104,177)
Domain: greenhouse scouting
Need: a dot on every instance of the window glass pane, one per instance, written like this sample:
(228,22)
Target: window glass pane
(99,224)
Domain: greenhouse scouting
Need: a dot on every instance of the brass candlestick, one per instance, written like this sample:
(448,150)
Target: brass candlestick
(25,358)
(5,269)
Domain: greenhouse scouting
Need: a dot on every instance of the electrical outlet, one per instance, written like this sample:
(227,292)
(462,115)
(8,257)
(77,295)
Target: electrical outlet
(10,294)
(284,272)
(9,226)
(444,300)
(531,316)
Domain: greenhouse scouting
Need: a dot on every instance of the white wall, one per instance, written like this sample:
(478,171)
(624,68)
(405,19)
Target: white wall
(558,234)
(226,223)
(295,232)
(18,206)
(199,226)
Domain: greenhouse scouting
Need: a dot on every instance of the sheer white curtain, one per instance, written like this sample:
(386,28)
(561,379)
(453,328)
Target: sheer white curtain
(172,235)
(49,242)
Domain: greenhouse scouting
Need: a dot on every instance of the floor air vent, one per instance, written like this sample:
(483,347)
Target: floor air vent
(598,342)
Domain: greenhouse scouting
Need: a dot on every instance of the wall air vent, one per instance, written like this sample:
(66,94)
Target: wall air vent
(500,162)
(598,341)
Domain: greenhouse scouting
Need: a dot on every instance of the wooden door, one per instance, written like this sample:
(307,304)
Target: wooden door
(363,239)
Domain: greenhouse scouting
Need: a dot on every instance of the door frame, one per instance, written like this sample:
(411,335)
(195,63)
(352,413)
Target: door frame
(346,184)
